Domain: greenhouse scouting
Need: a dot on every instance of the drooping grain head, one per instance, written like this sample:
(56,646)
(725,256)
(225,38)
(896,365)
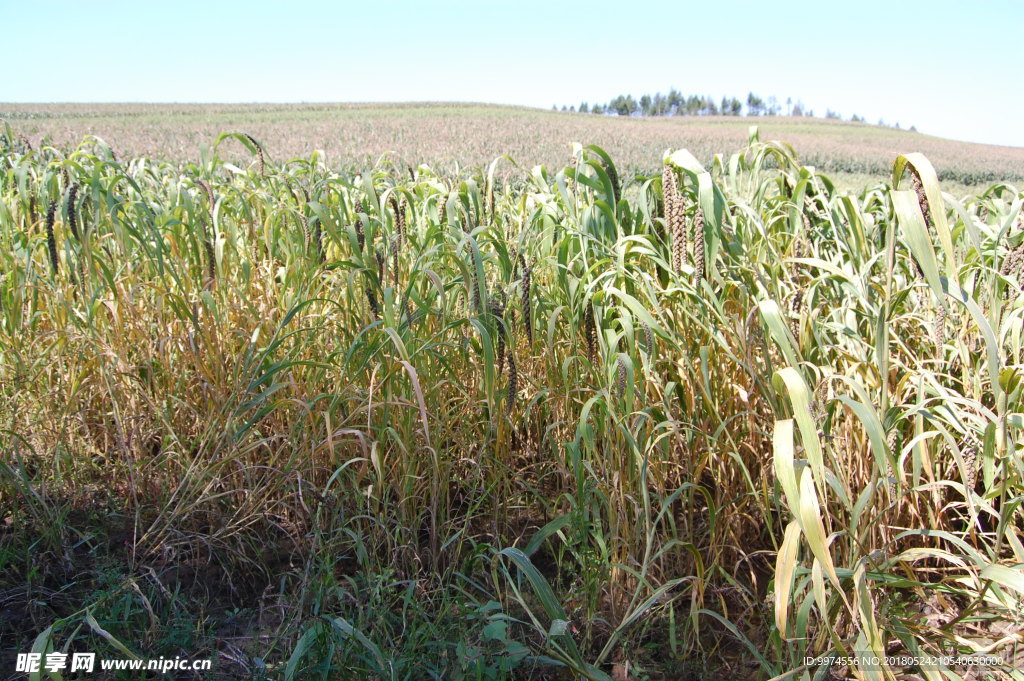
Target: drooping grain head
(892,441)
(259,151)
(408,311)
(513,384)
(590,331)
(72,209)
(525,300)
(32,212)
(922,197)
(318,241)
(211,260)
(208,239)
(475,286)
(393,205)
(360,236)
(490,202)
(698,246)
(970,470)
(403,207)
(307,237)
(371,298)
(819,404)
(208,190)
(795,308)
(620,384)
(675,217)
(81,283)
(890,480)
(613,175)
(1013,268)
(51,240)
(496,306)
(395,240)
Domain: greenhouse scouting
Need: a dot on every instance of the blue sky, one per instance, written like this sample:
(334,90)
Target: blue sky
(950,68)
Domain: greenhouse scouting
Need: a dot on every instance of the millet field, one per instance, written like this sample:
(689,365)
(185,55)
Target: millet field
(577,420)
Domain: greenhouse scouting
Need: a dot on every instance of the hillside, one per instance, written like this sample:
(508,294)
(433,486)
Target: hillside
(473,135)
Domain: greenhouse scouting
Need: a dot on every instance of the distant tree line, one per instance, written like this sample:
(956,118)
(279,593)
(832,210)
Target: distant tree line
(676,103)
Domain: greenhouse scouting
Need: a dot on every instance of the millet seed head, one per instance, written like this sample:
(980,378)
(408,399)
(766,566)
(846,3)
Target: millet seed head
(51,240)
(698,246)
(73,210)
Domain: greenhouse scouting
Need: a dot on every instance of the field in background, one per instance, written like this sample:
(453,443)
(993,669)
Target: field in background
(443,135)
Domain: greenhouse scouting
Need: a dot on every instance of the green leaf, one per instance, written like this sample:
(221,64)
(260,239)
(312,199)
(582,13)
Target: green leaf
(915,233)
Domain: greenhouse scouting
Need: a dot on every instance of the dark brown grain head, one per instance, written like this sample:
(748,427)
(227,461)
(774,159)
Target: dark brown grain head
(496,306)
(403,209)
(525,285)
(648,338)
(72,209)
(360,236)
(613,176)
(394,260)
(32,212)
(590,331)
(399,211)
(371,298)
(513,384)
(51,239)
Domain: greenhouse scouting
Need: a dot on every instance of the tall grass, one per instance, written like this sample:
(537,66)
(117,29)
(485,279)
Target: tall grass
(304,393)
